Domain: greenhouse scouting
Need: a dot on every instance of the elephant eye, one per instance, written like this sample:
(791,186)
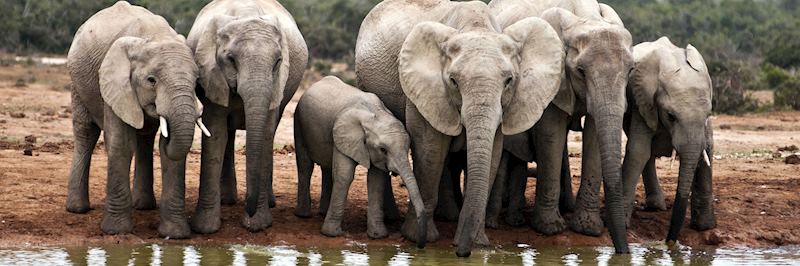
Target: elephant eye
(453,82)
(277,63)
(383,150)
(581,71)
(672,117)
(509,81)
(151,80)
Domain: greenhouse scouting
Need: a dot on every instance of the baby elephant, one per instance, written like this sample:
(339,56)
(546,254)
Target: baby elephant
(338,127)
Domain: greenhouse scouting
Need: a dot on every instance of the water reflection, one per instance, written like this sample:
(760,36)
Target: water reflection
(361,254)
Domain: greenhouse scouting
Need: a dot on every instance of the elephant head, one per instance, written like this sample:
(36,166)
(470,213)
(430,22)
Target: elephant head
(598,61)
(378,139)
(672,89)
(480,81)
(250,57)
(140,77)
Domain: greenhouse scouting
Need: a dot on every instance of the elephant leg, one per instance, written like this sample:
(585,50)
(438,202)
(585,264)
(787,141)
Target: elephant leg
(429,149)
(390,210)
(376,183)
(120,141)
(654,195)
(305,168)
(496,195)
(703,217)
(549,137)
(262,219)
(228,191)
(143,196)
(447,208)
(566,202)
(637,156)
(206,218)
(86,134)
(173,196)
(327,186)
(343,174)
(586,219)
(518,180)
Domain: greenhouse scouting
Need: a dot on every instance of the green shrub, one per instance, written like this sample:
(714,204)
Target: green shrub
(788,93)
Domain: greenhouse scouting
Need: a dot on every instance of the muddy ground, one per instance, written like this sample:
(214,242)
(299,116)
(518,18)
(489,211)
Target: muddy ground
(757,195)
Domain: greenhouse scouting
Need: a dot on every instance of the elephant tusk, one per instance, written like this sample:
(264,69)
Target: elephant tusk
(199,107)
(203,127)
(672,160)
(164,131)
(705,158)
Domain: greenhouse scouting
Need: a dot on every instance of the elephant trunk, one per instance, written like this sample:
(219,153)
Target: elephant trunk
(481,129)
(608,121)
(690,156)
(255,88)
(181,116)
(404,169)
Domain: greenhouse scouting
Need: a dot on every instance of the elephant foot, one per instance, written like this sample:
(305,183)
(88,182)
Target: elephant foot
(703,220)
(655,203)
(587,222)
(515,218)
(409,230)
(272,200)
(446,212)
(174,230)
(548,221)
(332,229)
(206,221)
(258,222)
(145,202)
(492,222)
(377,230)
(78,206)
(116,224)
(302,211)
(481,239)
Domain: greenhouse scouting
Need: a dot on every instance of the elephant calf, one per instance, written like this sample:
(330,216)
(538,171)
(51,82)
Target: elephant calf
(132,73)
(669,109)
(338,127)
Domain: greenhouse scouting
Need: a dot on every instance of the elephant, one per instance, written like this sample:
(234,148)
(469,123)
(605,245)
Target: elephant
(670,95)
(598,61)
(459,82)
(251,57)
(338,126)
(132,73)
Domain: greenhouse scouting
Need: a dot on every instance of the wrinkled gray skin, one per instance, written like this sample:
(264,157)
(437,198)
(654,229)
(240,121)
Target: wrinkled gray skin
(598,62)
(338,127)
(128,68)
(449,72)
(670,102)
(251,57)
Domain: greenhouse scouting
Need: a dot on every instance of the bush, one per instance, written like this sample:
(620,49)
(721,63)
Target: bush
(788,93)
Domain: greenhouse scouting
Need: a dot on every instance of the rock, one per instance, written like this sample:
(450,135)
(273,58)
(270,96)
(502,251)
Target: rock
(27,152)
(724,126)
(792,159)
(790,148)
(17,115)
(30,139)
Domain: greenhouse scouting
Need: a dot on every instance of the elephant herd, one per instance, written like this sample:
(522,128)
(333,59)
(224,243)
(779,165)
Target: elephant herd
(467,87)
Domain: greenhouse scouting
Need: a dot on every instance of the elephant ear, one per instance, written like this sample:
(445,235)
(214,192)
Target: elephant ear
(610,16)
(560,19)
(115,82)
(214,83)
(541,68)
(349,135)
(281,74)
(643,82)
(694,59)
(420,65)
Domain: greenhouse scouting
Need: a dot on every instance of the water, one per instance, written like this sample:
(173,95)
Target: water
(361,254)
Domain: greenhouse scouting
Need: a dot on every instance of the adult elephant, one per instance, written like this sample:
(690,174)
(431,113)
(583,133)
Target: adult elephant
(132,73)
(449,72)
(598,61)
(670,103)
(251,57)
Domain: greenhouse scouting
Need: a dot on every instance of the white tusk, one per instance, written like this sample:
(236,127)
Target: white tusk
(705,158)
(203,127)
(671,159)
(199,107)
(164,131)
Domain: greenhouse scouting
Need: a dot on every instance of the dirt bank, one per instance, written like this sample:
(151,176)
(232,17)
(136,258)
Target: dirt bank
(757,196)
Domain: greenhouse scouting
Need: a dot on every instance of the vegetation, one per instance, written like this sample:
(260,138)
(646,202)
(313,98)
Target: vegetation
(746,43)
